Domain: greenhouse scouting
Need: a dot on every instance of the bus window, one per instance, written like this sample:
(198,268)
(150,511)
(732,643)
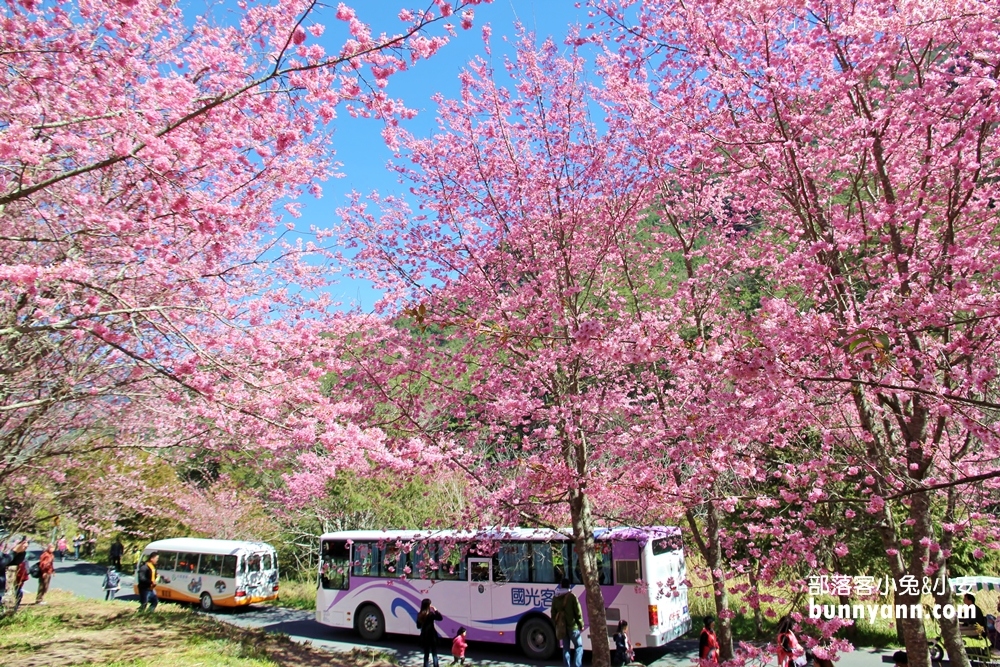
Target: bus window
(604,564)
(253,563)
(424,563)
(548,562)
(603,556)
(393,561)
(666,543)
(335,565)
(211,565)
(187,563)
(511,563)
(228,570)
(167,562)
(479,570)
(267,561)
(365,563)
(452,561)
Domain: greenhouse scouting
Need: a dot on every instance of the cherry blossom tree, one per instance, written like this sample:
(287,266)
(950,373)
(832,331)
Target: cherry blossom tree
(519,287)
(147,295)
(864,136)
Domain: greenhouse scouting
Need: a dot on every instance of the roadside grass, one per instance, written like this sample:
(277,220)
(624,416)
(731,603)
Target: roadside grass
(71,631)
(297,594)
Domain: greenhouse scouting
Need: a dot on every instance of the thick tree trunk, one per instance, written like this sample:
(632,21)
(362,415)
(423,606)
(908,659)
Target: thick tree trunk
(576,456)
(898,622)
(951,636)
(950,633)
(758,617)
(914,636)
(583,540)
(711,550)
(723,623)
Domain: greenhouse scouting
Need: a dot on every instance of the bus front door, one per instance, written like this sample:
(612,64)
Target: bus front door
(480,589)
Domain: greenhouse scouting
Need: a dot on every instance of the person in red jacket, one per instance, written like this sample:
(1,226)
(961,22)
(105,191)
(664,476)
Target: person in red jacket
(20,579)
(790,651)
(46,566)
(708,643)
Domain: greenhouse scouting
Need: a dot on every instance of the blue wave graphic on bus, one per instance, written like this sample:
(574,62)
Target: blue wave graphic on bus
(407,607)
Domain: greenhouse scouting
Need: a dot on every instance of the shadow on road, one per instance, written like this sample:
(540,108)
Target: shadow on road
(81,567)
(302,626)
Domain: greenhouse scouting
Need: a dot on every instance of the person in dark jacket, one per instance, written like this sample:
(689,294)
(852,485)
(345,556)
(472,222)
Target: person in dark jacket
(146,581)
(428,633)
(115,552)
(623,653)
(978,617)
(10,558)
(568,606)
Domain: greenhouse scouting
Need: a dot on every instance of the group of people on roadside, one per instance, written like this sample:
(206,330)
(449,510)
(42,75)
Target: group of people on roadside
(44,569)
(82,547)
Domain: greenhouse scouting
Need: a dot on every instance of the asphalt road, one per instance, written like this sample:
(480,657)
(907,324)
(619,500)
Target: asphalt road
(83,579)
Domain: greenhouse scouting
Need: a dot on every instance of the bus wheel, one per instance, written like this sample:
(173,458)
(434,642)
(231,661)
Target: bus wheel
(371,623)
(537,638)
(206,602)
(937,652)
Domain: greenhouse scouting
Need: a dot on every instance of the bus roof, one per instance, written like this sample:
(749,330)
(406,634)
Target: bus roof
(638,533)
(205,546)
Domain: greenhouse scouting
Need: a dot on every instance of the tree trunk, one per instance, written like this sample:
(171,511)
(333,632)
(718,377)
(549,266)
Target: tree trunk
(758,617)
(951,636)
(914,636)
(711,550)
(583,541)
(723,623)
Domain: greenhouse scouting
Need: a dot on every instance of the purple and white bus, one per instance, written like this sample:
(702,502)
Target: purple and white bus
(499,584)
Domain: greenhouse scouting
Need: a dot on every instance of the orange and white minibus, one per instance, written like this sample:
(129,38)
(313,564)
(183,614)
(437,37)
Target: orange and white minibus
(214,573)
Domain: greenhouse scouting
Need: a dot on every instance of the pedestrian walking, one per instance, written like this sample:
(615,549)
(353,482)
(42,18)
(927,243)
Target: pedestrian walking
(623,654)
(61,548)
(46,568)
(78,545)
(112,584)
(708,643)
(115,554)
(567,617)
(428,633)
(146,582)
(458,646)
(790,651)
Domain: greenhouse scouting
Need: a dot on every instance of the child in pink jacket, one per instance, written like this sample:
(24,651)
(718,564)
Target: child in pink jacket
(458,646)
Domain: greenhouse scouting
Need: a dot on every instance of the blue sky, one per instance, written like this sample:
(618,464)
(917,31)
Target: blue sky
(358,142)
